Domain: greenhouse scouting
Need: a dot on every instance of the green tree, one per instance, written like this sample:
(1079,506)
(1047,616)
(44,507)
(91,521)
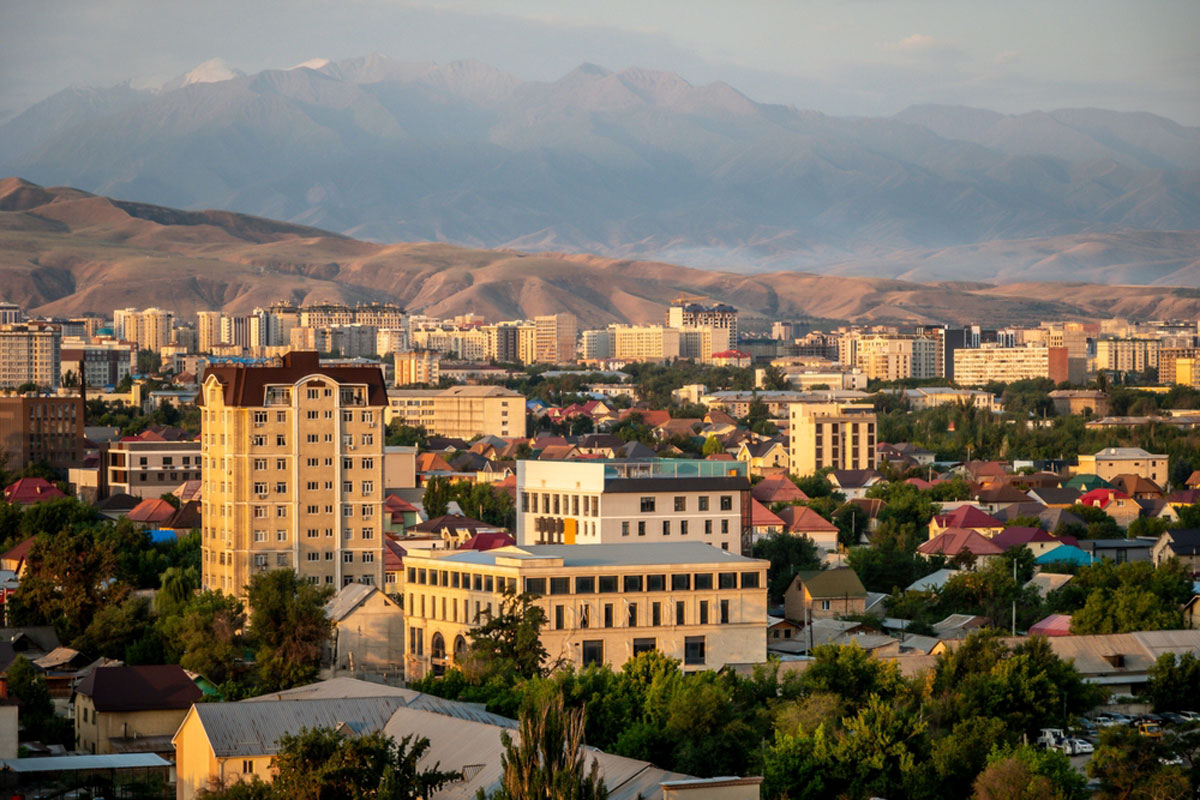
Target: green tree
(509,642)
(798,765)
(851,673)
(407,435)
(712,446)
(1174,681)
(788,555)
(549,761)
(437,496)
(1124,610)
(123,631)
(205,635)
(37,716)
(1026,773)
(288,627)
(1128,768)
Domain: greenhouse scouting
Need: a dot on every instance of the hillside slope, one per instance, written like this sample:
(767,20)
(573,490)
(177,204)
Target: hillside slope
(64,251)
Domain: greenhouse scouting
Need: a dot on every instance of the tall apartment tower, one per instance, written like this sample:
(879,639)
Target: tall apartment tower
(30,352)
(293,472)
(150,328)
(208,330)
(835,435)
(554,338)
(723,319)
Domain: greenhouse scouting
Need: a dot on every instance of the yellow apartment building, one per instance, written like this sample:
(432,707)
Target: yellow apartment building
(461,411)
(1113,461)
(604,603)
(418,366)
(293,457)
(835,435)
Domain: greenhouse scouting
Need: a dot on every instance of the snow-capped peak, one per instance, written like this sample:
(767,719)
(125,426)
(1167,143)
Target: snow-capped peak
(312,63)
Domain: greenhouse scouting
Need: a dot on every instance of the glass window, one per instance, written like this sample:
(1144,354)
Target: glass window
(703,612)
(560,586)
(631,617)
(726,502)
(703,580)
(585,585)
(632,583)
(724,612)
(681,504)
(535,585)
(647,505)
(727,580)
(592,652)
(585,615)
(656,583)
(656,613)
(693,650)
(608,584)
(641,527)
(680,617)
(643,646)
(560,616)
(608,615)
(749,580)
(488,585)
(683,527)
(702,503)
(681,581)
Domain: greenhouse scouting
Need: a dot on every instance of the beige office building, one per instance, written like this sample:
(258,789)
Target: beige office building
(604,603)
(461,411)
(293,472)
(633,502)
(835,435)
(30,352)
(149,468)
(977,366)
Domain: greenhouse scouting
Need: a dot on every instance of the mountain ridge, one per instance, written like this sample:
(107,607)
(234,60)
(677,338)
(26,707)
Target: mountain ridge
(635,163)
(64,251)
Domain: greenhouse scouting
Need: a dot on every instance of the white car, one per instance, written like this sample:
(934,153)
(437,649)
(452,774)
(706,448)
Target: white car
(1077,747)
(1190,715)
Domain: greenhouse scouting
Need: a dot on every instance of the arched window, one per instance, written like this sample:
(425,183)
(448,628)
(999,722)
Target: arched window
(438,646)
(460,647)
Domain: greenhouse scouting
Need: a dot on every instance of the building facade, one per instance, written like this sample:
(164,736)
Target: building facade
(1113,461)
(604,604)
(30,353)
(633,502)
(149,468)
(40,429)
(1126,355)
(894,358)
(723,319)
(977,366)
(418,366)
(554,338)
(834,435)
(104,363)
(460,411)
(293,472)
(1167,357)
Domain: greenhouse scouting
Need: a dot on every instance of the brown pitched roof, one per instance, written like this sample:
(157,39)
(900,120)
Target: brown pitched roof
(953,541)
(246,386)
(777,489)
(141,688)
(802,519)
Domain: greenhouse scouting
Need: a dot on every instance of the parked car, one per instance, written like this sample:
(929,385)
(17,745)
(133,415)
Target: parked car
(1051,738)
(1190,716)
(1171,761)
(1171,718)
(1150,730)
(1106,721)
(1155,718)
(1077,747)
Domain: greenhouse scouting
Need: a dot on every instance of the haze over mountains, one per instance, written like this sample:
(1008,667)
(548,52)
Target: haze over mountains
(639,165)
(63,251)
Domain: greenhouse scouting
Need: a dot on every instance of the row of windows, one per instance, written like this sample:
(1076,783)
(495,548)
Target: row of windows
(281,487)
(666,527)
(654,618)
(592,651)
(260,464)
(588,584)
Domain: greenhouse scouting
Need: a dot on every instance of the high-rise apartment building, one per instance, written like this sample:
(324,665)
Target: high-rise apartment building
(418,366)
(835,435)
(461,411)
(30,352)
(293,472)
(645,342)
(1126,355)
(208,330)
(102,363)
(554,338)
(10,313)
(149,328)
(39,429)
(896,357)
(723,319)
(1167,358)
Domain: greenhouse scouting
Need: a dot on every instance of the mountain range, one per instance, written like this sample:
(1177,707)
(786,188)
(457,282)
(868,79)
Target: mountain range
(65,252)
(639,164)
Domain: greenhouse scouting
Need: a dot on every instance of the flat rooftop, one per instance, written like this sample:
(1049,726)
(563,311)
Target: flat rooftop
(606,555)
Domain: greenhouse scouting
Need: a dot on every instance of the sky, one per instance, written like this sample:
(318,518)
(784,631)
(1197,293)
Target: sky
(842,57)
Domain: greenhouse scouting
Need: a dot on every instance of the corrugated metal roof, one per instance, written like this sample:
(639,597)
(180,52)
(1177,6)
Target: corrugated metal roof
(347,599)
(338,688)
(254,729)
(77,763)
(616,555)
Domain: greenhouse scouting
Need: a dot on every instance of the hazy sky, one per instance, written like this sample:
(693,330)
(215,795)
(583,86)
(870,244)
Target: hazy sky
(868,57)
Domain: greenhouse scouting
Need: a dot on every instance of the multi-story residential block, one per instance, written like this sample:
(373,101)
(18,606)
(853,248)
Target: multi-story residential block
(946,340)
(923,397)
(102,363)
(511,342)
(1113,461)
(723,319)
(293,472)
(1126,355)
(697,344)
(41,429)
(10,313)
(554,338)
(149,328)
(418,366)
(1167,358)
(208,330)
(645,343)
(469,343)
(896,357)
(149,466)
(1187,372)
(604,603)
(30,353)
(633,502)
(462,411)
(598,344)
(835,435)
(977,366)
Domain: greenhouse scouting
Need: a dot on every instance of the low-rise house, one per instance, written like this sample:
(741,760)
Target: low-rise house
(961,544)
(933,582)
(27,491)
(1118,550)
(762,521)
(1113,461)
(767,457)
(151,511)
(824,594)
(781,630)
(1053,625)
(1036,540)
(455,529)
(966,517)
(777,489)
(368,631)
(393,564)
(1046,582)
(117,505)
(126,709)
(803,521)
(1000,496)
(15,559)
(957,626)
(853,483)
(1055,496)
(1137,487)
(1181,544)
(1065,554)
(1019,510)
(1118,505)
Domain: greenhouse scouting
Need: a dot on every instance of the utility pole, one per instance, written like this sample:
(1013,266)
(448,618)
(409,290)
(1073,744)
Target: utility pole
(1014,614)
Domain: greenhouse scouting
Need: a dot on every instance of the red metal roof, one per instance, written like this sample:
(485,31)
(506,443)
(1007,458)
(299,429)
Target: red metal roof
(31,490)
(958,540)
(1053,625)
